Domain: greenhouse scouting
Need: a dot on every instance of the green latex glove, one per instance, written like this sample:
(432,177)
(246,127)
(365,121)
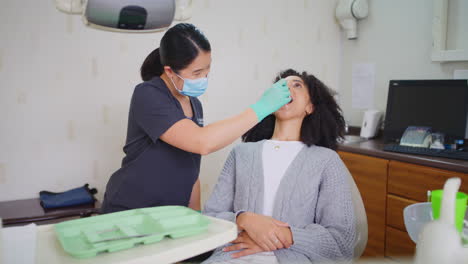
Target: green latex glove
(272,99)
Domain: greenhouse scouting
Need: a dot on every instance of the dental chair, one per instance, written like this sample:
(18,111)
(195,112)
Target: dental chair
(361,220)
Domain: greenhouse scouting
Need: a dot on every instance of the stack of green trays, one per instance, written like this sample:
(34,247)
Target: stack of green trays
(86,237)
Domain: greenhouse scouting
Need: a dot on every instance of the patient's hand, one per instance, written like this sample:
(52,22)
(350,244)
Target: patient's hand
(245,243)
(268,233)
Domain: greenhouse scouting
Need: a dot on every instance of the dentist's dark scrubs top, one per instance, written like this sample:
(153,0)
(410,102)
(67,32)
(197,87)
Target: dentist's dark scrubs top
(153,173)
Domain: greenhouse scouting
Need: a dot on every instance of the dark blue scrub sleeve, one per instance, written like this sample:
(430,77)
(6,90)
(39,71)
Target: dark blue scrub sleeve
(155,111)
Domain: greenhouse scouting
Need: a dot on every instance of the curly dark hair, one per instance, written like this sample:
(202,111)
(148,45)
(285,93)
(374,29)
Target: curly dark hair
(321,128)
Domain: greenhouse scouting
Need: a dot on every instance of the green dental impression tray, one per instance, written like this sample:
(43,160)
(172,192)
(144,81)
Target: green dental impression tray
(86,237)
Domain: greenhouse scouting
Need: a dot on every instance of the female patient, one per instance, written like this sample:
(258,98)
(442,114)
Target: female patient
(286,188)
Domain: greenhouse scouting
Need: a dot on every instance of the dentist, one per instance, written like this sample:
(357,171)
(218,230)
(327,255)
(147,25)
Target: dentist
(166,136)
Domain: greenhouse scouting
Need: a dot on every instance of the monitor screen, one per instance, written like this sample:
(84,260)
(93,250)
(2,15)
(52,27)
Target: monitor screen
(440,104)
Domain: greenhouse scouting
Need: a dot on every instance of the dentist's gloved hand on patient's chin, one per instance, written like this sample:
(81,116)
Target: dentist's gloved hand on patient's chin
(272,99)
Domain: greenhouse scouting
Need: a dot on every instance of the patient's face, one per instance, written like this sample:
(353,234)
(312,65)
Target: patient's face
(300,105)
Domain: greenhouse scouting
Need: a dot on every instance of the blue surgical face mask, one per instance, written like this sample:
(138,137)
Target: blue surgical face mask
(191,87)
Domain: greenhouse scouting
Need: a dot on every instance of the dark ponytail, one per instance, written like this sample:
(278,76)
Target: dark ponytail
(152,66)
(179,46)
(321,128)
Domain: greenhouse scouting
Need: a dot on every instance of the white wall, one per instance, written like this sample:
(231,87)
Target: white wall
(457,24)
(397,37)
(65,89)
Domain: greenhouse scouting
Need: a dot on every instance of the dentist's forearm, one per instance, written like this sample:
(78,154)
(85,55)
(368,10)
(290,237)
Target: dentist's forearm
(188,136)
(222,133)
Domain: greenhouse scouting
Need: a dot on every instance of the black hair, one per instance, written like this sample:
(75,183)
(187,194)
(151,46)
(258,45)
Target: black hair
(179,46)
(323,127)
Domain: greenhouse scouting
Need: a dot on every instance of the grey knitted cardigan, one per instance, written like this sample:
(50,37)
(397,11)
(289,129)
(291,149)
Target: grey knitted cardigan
(314,198)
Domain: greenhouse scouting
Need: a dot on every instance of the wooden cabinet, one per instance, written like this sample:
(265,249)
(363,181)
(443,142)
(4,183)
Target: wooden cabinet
(387,187)
(395,206)
(398,245)
(413,181)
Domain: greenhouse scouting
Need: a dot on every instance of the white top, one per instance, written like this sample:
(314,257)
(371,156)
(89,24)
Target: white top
(277,156)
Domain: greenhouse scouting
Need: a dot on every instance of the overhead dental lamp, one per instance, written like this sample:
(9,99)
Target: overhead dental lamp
(348,12)
(127,15)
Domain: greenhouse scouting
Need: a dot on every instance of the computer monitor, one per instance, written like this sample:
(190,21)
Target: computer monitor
(440,104)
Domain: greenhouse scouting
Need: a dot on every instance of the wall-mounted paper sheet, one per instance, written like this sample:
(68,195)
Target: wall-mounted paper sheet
(363,85)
